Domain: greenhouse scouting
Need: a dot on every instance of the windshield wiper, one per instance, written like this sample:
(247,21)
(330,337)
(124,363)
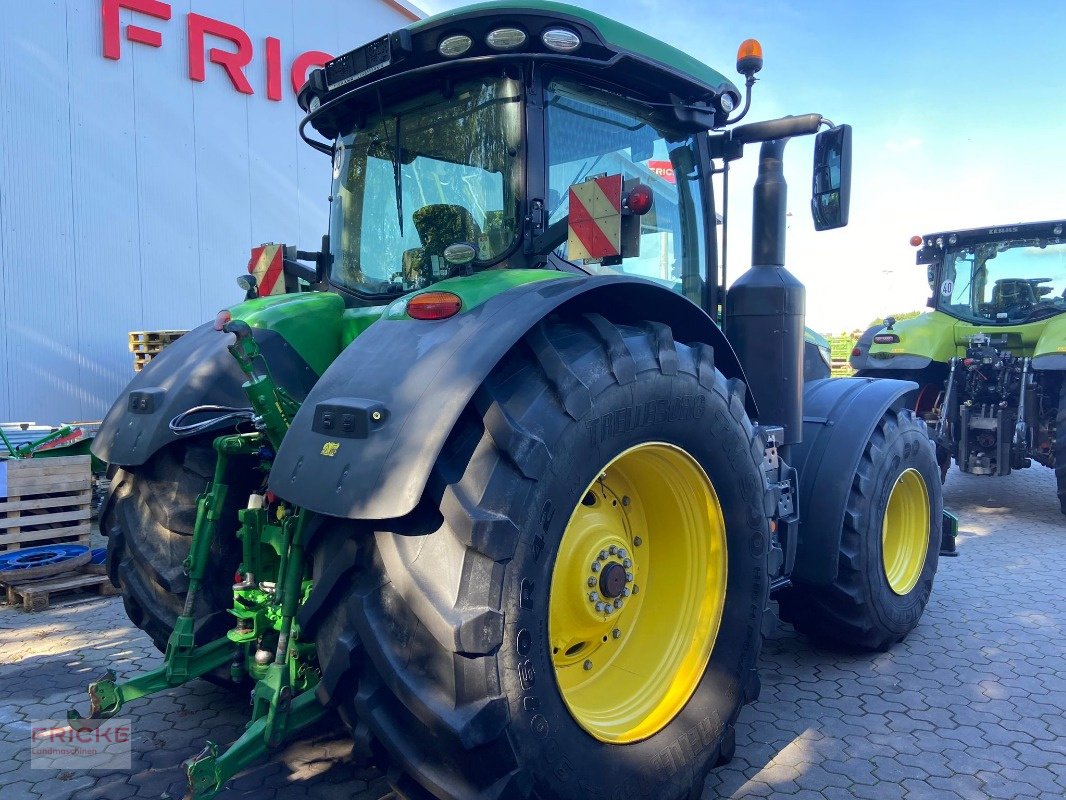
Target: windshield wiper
(397,177)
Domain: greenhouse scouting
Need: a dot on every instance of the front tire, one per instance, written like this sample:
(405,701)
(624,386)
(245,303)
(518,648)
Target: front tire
(889,545)
(459,642)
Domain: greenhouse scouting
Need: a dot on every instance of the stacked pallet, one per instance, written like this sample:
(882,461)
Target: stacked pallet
(44,500)
(36,595)
(145,345)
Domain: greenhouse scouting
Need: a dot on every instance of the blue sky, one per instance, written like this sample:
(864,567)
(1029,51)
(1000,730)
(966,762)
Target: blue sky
(959,117)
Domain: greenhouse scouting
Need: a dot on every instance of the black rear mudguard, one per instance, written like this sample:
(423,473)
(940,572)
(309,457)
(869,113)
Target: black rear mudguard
(194,370)
(364,442)
(838,417)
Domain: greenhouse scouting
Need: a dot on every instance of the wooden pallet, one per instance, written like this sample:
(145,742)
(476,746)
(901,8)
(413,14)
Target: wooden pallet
(137,338)
(145,345)
(36,595)
(45,501)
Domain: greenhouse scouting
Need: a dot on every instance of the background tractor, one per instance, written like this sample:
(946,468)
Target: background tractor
(511,488)
(990,357)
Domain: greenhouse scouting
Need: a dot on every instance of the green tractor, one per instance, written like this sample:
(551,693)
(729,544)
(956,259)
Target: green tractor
(989,359)
(507,478)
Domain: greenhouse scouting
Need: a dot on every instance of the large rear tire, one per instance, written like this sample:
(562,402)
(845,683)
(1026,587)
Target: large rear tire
(465,642)
(148,517)
(889,545)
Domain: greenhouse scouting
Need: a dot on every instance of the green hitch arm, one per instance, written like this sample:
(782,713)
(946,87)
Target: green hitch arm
(208,771)
(106,697)
(26,450)
(7,444)
(277,714)
(183,660)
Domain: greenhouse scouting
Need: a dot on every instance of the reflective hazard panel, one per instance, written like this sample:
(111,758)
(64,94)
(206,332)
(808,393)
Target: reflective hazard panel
(265,264)
(595,221)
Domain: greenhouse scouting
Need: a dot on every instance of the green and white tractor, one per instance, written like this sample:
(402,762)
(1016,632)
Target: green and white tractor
(506,477)
(989,359)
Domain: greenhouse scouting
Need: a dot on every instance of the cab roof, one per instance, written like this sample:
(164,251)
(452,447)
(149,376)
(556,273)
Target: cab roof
(614,33)
(608,51)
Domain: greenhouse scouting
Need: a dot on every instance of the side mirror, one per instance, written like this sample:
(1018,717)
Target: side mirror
(831,192)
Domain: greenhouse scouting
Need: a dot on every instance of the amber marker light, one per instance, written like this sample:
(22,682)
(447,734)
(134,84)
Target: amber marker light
(434,305)
(749,57)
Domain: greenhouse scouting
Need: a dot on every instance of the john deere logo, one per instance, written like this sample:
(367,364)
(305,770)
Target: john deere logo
(330,448)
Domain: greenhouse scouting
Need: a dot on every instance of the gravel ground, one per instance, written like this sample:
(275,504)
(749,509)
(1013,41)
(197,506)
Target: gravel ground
(971,705)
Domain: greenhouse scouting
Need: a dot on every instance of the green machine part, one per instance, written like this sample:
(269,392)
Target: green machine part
(264,643)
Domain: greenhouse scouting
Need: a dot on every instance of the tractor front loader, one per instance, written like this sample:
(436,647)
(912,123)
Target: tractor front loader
(511,487)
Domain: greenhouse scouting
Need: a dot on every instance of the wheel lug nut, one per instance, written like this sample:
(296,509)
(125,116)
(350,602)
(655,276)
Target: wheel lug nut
(587,665)
(608,610)
(627,563)
(612,549)
(622,552)
(618,603)
(601,607)
(591,581)
(617,634)
(603,555)
(636,589)
(595,566)
(625,591)
(637,541)
(593,597)
(625,500)
(629,577)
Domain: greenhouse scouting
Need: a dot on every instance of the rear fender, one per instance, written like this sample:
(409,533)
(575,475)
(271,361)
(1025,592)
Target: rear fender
(400,387)
(194,370)
(838,417)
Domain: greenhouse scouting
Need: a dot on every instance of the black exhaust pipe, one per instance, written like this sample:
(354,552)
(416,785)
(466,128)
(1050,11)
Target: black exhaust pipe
(765,307)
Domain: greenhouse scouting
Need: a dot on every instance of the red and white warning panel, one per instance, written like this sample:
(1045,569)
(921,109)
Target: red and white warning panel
(266,265)
(595,220)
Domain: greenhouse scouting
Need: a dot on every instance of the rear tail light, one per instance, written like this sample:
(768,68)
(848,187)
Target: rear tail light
(434,305)
(638,200)
(886,338)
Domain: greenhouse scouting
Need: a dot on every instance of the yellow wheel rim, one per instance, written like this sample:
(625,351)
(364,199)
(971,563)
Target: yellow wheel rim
(637,593)
(905,532)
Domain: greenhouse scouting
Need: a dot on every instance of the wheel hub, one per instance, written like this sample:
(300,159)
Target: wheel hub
(637,593)
(905,532)
(613,580)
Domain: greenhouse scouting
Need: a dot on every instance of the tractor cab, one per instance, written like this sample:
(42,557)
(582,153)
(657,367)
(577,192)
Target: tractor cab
(518,136)
(997,276)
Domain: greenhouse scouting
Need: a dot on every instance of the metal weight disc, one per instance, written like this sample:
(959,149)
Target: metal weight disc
(31,563)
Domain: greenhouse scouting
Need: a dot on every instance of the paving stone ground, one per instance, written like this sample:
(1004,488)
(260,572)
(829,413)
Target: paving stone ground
(971,706)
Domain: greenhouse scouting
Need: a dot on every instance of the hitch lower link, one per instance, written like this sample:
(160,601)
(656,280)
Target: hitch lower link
(283,700)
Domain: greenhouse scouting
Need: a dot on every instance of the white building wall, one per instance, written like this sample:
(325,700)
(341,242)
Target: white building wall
(130,194)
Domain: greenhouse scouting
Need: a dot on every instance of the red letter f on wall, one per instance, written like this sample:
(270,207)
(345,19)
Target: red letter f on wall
(135,33)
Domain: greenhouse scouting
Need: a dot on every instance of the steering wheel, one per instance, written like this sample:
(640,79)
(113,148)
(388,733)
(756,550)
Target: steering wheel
(1019,309)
